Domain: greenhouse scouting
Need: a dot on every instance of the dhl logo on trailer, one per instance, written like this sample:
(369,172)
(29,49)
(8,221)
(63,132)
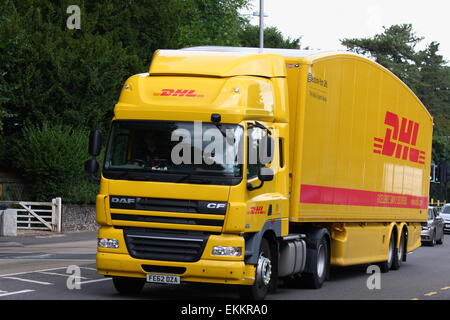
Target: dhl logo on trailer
(400,141)
(365,146)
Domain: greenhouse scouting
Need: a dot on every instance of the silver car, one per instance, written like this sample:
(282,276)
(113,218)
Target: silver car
(433,229)
(445,214)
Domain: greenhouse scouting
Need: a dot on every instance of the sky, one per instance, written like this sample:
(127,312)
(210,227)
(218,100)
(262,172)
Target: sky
(321,23)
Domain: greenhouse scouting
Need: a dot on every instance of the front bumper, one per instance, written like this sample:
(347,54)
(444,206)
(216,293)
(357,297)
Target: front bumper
(209,269)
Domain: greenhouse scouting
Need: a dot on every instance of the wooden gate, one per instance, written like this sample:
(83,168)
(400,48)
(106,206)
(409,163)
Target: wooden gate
(39,215)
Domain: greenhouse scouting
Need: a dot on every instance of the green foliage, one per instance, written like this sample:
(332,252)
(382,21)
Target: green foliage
(273,38)
(51,158)
(424,71)
(74,76)
(50,74)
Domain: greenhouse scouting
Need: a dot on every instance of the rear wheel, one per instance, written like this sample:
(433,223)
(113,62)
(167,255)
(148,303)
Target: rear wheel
(128,285)
(264,275)
(320,264)
(385,266)
(399,253)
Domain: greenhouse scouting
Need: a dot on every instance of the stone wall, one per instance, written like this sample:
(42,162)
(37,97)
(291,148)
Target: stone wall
(78,218)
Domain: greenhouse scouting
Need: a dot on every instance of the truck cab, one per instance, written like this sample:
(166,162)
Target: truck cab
(184,190)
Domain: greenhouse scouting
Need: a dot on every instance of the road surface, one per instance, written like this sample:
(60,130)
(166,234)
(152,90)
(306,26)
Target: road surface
(39,268)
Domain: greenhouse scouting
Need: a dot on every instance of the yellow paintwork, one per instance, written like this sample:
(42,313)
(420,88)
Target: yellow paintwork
(213,269)
(361,243)
(328,134)
(218,64)
(340,154)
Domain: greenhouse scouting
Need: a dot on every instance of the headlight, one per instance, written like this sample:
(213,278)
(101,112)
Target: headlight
(108,243)
(227,251)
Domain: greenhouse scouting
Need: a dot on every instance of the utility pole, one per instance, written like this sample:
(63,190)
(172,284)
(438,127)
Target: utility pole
(261,24)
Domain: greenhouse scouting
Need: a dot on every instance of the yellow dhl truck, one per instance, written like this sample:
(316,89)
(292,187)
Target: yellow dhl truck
(328,156)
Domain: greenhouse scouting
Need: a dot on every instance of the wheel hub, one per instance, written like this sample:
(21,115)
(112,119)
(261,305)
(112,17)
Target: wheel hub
(264,270)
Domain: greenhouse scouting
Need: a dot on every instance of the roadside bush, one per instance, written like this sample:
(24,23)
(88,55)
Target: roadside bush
(51,157)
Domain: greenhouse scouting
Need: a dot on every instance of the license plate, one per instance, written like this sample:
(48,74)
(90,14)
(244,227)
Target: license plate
(162,278)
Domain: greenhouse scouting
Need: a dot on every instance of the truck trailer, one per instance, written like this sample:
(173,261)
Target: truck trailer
(328,156)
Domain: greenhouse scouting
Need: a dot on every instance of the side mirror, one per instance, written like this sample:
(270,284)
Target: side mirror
(91,166)
(95,143)
(265,174)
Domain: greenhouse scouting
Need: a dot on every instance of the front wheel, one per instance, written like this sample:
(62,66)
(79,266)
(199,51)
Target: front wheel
(441,240)
(264,275)
(128,285)
(433,239)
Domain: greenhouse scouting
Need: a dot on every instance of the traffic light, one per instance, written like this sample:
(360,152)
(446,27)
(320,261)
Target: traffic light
(438,173)
(433,173)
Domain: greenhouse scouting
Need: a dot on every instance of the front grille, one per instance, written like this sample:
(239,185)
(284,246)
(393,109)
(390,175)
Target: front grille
(168,205)
(191,221)
(209,215)
(173,245)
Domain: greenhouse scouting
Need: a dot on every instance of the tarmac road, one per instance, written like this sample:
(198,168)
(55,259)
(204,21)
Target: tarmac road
(37,268)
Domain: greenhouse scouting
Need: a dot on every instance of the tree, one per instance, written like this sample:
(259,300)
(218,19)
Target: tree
(75,76)
(273,38)
(50,74)
(424,71)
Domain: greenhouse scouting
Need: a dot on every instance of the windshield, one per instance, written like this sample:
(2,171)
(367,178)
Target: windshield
(446,209)
(174,152)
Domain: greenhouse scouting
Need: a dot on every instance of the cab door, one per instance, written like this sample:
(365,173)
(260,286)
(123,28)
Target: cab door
(267,202)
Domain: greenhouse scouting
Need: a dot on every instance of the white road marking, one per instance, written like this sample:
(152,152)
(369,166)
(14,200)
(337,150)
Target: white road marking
(16,292)
(28,280)
(87,268)
(38,256)
(28,272)
(62,275)
(96,280)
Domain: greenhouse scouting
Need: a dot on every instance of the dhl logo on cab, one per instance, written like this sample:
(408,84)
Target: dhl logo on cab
(178,93)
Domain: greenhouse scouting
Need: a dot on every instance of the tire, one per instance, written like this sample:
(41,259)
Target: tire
(385,266)
(128,285)
(433,240)
(320,262)
(441,240)
(264,277)
(399,253)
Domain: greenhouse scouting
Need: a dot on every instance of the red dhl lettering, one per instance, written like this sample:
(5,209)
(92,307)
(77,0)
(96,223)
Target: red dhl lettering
(178,93)
(257,210)
(400,139)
